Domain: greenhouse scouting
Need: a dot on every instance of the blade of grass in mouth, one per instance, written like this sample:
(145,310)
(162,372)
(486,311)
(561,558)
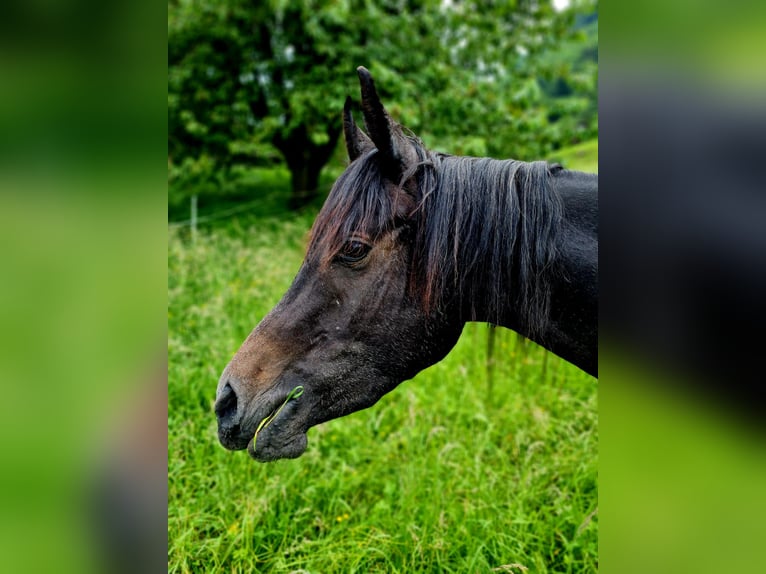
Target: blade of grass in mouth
(294,394)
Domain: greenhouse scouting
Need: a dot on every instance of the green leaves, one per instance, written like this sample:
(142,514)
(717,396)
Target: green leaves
(275,72)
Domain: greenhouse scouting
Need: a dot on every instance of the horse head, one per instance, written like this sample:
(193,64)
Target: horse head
(352,325)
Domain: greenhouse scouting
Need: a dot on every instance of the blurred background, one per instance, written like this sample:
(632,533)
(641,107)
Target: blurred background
(682,275)
(83,237)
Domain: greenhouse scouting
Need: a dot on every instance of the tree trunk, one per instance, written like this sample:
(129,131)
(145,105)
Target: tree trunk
(304,184)
(305,160)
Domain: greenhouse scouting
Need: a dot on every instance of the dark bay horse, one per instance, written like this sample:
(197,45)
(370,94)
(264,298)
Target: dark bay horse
(408,247)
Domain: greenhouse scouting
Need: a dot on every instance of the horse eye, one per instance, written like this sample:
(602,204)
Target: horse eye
(353,251)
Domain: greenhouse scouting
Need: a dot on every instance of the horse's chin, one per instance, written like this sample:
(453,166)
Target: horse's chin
(272,446)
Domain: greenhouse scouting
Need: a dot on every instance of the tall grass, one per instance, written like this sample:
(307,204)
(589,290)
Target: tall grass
(444,474)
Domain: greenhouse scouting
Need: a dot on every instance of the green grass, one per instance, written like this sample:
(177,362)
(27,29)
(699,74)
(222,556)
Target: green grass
(440,476)
(582,157)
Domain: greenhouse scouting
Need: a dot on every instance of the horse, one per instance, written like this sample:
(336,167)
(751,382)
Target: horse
(409,246)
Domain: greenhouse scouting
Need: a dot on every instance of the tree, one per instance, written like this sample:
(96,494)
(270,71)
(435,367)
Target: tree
(245,76)
(248,80)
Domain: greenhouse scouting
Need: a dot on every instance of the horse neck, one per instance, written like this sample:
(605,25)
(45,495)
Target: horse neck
(571,326)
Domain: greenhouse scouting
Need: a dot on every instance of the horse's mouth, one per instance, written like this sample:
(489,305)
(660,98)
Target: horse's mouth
(282,437)
(264,451)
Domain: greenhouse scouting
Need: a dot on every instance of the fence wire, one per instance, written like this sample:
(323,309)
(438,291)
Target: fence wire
(238,209)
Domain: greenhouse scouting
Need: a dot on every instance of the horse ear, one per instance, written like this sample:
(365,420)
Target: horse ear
(386,134)
(357,141)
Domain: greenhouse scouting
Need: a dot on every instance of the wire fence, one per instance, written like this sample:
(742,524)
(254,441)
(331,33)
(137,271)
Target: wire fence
(223,214)
(264,203)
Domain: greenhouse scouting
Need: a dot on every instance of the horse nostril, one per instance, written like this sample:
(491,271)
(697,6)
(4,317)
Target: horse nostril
(226,404)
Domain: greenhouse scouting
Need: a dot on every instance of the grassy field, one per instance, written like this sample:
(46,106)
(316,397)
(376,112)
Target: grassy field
(444,474)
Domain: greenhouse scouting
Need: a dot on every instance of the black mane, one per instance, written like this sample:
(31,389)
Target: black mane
(483,230)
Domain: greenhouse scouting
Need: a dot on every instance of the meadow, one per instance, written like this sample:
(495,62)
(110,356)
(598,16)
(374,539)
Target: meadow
(465,468)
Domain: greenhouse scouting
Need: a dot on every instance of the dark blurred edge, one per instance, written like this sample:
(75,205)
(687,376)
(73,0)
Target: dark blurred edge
(683,230)
(682,144)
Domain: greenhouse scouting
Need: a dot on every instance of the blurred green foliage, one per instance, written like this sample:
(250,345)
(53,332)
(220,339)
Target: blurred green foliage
(263,83)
